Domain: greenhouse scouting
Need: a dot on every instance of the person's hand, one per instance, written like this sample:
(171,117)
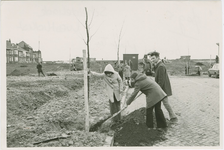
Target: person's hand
(89,72)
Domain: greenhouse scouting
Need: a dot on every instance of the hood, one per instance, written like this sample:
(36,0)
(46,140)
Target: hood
(109,68)
(140,77)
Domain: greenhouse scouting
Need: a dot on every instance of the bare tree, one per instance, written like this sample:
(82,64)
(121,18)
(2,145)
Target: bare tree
(87,34)
(87,44)
(118,47)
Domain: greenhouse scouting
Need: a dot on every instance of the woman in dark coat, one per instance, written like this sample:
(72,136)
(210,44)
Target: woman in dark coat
(154,96)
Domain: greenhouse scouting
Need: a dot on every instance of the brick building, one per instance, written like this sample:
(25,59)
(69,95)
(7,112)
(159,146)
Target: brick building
(21,53)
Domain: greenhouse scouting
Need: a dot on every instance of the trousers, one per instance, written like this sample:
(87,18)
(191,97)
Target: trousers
(160,119)
(168,108)
(115,107)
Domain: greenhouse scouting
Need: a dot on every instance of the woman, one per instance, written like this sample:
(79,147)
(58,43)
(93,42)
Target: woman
(154,96)
(114,88)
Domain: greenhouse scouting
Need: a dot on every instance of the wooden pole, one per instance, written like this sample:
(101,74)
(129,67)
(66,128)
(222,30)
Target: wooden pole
(86,92)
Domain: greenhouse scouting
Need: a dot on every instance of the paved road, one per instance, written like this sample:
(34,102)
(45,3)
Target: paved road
(197,103)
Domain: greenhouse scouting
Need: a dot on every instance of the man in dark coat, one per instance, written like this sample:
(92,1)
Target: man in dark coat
(154,96)
(39,69)
(161,77)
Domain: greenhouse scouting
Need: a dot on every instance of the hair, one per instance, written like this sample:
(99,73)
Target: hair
(155,54)
(107,72)
(134,75)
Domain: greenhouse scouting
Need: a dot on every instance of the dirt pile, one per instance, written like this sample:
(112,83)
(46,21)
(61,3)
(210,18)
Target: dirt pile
(46,108)
(132,131)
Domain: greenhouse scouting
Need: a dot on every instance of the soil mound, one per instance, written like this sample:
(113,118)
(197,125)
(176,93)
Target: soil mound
(132,131)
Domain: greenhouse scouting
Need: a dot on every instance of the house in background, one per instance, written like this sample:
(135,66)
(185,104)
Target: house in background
(21,53)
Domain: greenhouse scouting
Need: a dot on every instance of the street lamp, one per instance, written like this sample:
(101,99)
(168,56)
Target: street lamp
(218,48)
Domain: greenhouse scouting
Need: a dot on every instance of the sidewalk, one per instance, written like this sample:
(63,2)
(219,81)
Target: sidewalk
(195,100)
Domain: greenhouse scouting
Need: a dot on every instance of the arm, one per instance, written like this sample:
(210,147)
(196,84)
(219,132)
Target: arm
(101,75)
(133,95)
(161,75)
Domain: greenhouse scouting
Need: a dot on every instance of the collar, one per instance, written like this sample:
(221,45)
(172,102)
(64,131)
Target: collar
(158,62)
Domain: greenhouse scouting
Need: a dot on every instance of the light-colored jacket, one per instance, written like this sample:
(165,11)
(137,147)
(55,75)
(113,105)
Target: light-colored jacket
(127,71)
(114,84)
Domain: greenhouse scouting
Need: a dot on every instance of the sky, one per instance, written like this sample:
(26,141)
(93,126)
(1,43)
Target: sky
(173,28)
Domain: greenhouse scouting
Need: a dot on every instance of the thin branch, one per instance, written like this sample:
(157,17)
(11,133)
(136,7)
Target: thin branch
(96,31)
(92,18)
(119,43)
(84,41)
(79,21)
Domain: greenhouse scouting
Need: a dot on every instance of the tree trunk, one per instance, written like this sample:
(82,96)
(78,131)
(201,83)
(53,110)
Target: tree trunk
(87,43)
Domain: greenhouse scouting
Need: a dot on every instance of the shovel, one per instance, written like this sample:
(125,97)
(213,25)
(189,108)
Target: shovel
(105,123)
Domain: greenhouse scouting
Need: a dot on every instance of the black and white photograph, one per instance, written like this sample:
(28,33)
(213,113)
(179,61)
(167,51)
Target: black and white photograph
(121,74)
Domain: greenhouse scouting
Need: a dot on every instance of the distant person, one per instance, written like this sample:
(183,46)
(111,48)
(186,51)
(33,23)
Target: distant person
(162,78)
(217,59)
(141,67)
(121,69)
(114,87)
(199,70)
(154,96)
(127,71)
(148,66)
(130,64)
(39,69)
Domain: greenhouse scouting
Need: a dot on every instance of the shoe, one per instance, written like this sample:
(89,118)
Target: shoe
(174,120)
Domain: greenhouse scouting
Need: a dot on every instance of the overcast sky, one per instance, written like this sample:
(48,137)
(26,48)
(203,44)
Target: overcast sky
(173,28)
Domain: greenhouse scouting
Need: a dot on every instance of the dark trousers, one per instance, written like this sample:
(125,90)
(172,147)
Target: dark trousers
(160,119)
(115,107)
(40,71)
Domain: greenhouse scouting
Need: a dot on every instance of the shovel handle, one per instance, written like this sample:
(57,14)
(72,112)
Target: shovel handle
(117,113)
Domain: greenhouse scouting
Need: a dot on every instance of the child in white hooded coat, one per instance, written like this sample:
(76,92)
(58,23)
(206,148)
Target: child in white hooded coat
(114,87)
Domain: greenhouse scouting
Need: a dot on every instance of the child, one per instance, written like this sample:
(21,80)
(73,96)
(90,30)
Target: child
(114,87)
(154,96)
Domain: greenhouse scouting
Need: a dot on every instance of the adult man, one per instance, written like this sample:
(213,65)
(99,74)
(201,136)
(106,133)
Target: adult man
(154,96)
(39,69)
(161,77)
